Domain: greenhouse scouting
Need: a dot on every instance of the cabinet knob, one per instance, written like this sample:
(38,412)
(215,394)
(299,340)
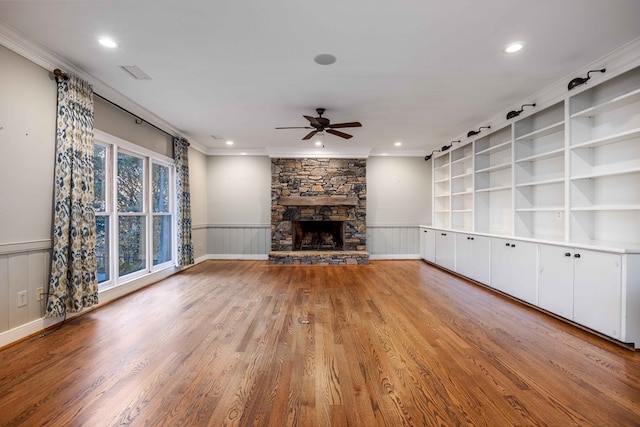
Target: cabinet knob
(567,254)
(506,244)
(443,234)
(513,246)
(468,238)
(577,255)
(472,238)
(425,231)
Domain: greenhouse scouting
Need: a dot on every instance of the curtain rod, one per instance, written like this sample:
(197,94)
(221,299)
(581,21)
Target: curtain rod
(57,72)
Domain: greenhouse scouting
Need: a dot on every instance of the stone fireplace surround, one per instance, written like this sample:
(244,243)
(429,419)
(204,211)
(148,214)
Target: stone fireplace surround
(318,189)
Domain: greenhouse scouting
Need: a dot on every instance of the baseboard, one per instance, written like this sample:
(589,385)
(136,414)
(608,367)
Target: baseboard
(255,257)
(393,256)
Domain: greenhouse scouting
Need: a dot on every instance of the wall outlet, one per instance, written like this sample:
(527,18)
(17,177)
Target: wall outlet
(39,294)
(22,298)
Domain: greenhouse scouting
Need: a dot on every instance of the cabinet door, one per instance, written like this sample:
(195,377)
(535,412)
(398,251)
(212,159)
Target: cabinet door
(445,249)
(555,280)
(500,264)
(524,269)
(428,244)
(464,255)
(597,291)
(481,258)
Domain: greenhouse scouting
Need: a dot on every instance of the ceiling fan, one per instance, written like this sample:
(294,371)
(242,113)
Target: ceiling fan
(322,124)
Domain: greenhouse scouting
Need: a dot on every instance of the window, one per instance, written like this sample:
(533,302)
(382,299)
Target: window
(134,205)
(132,227)
(100,205)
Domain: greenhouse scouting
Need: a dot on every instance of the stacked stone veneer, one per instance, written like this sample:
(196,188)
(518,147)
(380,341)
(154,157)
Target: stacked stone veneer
(328,184)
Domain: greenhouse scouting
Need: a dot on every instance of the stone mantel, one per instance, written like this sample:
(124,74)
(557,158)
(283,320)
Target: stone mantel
(318,201)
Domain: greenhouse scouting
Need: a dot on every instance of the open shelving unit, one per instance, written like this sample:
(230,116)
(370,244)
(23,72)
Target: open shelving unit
(494,183)
(462,188)
(539,162)
(442,191)
(605,161)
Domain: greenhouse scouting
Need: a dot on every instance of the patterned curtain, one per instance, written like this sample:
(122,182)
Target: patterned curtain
(73,283)
(185,246)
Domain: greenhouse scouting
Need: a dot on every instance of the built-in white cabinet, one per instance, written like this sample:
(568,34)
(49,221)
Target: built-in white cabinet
(462,188)
(446,249)
(473,257)
(514,268)
(428,244)
(597,292)
(555,280)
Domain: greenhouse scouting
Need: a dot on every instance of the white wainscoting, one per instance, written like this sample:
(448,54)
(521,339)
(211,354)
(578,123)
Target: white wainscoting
(238,241)
(387,241)
(23,267)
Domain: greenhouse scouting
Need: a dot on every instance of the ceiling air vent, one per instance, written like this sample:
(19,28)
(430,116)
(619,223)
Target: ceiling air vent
(136,72)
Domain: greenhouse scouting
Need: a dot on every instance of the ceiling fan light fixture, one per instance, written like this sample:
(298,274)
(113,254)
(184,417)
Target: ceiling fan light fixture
(325,59)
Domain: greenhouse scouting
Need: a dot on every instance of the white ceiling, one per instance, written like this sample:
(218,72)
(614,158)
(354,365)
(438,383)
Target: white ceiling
(420,72)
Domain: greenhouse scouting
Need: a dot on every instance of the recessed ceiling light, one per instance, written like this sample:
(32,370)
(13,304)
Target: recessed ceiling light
(383,154)
(324,59)
(229,142)
(513,47)
(318,143)
(398,144)
(243,154)
(107,42)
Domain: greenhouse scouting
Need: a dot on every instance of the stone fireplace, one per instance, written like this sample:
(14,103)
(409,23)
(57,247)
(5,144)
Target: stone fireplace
(318,211)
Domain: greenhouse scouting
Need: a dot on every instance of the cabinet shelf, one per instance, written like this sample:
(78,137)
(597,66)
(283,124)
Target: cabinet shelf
(497,147)
(453,162)
(442,180)
(612,104)
(542,156)
(461,210)
(462,193)
(500,188)
(462,175)
(442,195)
(542,182)
(548,130)
(607,208)
(541,209)
(609,139)
(606,173)
(495,167)
(442,211)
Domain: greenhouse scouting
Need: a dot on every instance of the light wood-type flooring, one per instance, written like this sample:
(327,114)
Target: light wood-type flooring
(394,343)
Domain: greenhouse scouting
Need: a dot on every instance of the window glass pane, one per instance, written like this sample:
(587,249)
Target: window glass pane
(102,247)
(160,183)
(161,239)
(130,183)
(131,236)
(99,177)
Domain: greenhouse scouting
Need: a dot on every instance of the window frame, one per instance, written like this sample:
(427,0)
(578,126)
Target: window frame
(115,146)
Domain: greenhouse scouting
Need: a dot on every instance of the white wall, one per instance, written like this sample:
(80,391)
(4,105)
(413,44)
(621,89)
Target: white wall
(27,141)
(239,190)
(398,201)
(398,191)
(198,187)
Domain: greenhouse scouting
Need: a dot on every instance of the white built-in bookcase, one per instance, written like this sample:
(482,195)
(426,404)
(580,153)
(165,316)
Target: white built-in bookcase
(569,171)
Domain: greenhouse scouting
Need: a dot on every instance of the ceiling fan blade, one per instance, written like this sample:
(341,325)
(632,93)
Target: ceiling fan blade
(338,133)
(345,125)
(310,134)
(313,121)
(296,127)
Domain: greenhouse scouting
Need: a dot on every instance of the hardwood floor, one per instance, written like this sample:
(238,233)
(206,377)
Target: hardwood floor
(245,343)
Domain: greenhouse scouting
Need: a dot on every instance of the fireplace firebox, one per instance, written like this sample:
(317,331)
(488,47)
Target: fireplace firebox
(318,235)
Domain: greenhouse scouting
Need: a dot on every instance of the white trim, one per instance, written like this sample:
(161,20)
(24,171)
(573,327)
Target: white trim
(349,153)
(384,225)
(255,257)
(137,150)
(393,256)
(35,245)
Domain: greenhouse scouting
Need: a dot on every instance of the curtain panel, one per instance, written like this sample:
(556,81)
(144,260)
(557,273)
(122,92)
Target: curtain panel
(183,196)
(73,283)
